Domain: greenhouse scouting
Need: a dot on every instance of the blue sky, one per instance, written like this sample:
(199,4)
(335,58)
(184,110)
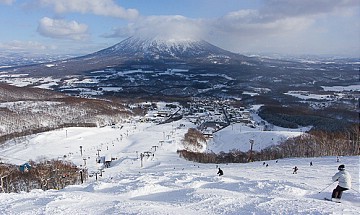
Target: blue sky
(78,27)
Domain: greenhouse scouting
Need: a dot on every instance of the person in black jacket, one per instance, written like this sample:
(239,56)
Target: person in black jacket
(295,170)
(220,172)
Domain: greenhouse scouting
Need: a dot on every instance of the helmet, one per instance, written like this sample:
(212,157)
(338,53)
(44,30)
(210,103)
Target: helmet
(341,167)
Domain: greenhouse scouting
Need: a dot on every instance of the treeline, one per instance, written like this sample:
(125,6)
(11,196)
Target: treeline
(234,156)
(22,118)
(287,117)
(53,174)
(314,144)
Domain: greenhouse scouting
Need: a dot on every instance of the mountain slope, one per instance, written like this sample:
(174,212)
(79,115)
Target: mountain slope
(167,184)
(139,51)
(164,49)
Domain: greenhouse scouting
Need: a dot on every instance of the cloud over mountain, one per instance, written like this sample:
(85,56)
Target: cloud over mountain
(272,26)
(164,27)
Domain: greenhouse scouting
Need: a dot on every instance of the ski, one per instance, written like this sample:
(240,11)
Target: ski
(327,199)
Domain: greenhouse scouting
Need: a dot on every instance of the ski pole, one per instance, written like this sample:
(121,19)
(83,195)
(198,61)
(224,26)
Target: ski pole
(326,187)
(355,190)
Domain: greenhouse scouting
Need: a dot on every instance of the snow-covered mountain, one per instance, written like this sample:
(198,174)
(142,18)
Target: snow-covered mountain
(158,48)
(141,51)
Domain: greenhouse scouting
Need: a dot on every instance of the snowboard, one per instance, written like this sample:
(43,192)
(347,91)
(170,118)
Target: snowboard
(327,199)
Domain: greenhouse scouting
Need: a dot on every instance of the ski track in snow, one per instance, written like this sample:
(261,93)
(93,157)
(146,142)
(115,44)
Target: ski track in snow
(167,184)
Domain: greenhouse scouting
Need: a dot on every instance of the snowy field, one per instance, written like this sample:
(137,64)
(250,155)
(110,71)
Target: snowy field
(167,184)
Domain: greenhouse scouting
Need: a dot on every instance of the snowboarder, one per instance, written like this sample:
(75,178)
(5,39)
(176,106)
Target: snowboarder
(220,172)
(344,179)
(295,170)
(311,163)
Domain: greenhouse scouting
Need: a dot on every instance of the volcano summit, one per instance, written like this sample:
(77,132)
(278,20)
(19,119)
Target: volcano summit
(161,49)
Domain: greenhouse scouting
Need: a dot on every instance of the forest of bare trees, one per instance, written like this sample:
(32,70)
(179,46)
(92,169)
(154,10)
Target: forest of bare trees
(194,140)
(50,174)
(23,114)
(314,144)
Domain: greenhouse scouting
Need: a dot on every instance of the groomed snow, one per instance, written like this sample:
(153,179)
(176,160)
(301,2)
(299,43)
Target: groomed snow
(167,184)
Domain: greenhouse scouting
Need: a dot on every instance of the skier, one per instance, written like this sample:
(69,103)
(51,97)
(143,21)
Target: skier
(344,179)
(220,172)
(311,163)
(295,170)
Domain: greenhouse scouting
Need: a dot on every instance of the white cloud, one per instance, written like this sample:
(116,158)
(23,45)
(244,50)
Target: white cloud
(278,26)
(62,29)
(239,25)
(285,26)
(164,27)
(271,19)
(251,23)
(97,7)
(286,8)
(283,16)
(8,2)
(23,46)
